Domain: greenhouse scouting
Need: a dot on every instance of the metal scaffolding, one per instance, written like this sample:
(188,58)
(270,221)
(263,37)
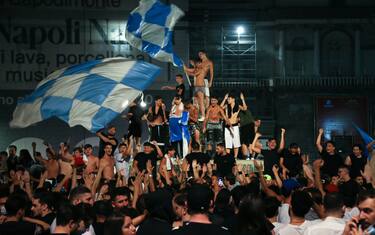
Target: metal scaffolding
(238,55)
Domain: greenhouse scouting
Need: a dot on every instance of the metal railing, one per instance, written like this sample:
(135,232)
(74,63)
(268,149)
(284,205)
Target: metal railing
(301,82)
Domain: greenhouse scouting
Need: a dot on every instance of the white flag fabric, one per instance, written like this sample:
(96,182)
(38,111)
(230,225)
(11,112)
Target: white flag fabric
(91,94)
(150,29)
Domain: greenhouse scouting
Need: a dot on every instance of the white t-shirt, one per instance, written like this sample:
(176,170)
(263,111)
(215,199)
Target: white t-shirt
(284,217)
(123,164)
(330,226)
(277,226)
(290,229)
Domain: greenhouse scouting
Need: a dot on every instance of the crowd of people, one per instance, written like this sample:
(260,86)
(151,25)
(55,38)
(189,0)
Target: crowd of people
(155,187)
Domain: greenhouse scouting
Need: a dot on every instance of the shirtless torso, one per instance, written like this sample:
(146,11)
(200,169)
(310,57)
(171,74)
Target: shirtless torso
(215,114)
(201,71)
(193,113)
(53,168)
(233,116)
(65,167)
(108,163)
(92,164)
(158,115)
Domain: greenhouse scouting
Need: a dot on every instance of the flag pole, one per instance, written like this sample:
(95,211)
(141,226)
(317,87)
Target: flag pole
(187,76)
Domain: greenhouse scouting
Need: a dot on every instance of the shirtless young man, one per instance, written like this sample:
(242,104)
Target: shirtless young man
(212,124)
(107,162)
(193,121)
(156,118)
(51,164)
(200,72)
(92,164)
(232,132)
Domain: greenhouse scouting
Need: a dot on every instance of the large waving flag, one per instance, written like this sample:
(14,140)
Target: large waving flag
(89,94)
(365,137)
(150,29)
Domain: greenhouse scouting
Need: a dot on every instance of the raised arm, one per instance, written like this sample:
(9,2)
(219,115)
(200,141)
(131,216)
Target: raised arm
(105,139)
(33,145)
(51,149)
(222,104)
(319,140)
(348,161)
(158,150)
(265,188)
(253,148)
(282,141)
(317,164)
(275,170)
(244,105)
(211,74)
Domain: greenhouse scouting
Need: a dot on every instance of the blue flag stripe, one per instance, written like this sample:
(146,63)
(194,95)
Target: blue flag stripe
(141,75)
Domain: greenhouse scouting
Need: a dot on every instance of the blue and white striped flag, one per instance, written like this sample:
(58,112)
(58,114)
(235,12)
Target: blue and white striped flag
(150,29)
(90,94)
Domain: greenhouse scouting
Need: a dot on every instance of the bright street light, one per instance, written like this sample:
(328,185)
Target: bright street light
(240,30)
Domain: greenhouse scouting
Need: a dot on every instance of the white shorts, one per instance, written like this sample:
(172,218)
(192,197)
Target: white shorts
(206,89)
(232,138)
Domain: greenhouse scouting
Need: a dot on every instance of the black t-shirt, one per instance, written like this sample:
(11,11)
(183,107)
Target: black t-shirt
(142,159)
(137,114)
(331,163)
(98,228)
(154,226)
(49,218)
(101,145)
(200,229)
(12,162)
(271,157)
(20,227)
(349,191)
(180,90)
(358,165)
(224,164)
(292,162)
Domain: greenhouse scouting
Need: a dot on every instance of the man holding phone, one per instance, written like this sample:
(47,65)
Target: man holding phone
(363,223)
